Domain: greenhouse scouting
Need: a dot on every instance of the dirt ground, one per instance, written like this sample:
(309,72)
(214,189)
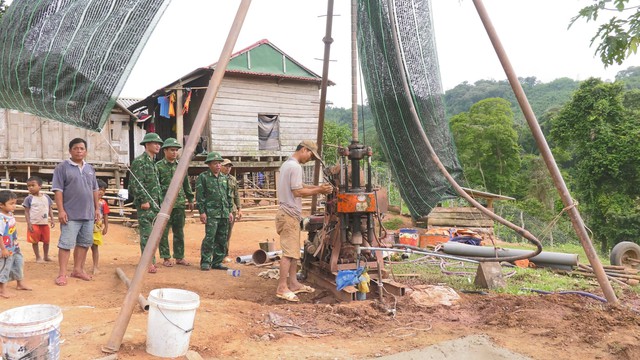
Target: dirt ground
(240,318)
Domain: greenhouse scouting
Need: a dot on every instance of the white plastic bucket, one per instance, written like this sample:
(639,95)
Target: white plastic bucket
(31,332)
(172,313)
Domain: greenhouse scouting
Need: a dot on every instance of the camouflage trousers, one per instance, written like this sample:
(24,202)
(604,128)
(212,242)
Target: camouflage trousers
(176,222)
(214,245)
(145,224)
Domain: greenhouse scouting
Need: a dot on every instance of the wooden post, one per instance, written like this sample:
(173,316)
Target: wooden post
(120,327)
(179,117)
(323,98)
(277,176)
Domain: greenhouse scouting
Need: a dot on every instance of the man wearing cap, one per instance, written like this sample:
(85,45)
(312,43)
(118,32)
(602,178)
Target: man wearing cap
(236,213)
(291,189)
(166,168)
(215,203)
(145,187)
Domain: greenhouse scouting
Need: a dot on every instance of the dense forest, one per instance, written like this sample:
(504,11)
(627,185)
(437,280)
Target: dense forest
(592,127)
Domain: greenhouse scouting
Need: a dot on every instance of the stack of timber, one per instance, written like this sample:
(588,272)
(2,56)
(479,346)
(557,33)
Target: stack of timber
(459,217)
(617,274)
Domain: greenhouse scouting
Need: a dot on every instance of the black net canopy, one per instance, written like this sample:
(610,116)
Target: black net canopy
(421,184)
(68,60)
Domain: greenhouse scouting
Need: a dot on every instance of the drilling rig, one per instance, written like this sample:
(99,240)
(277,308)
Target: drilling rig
(348,223)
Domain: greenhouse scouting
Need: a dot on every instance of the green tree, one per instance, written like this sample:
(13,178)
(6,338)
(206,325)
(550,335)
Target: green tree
(630,77)
(601,135)
(487,145)
(620,36)
(334,135)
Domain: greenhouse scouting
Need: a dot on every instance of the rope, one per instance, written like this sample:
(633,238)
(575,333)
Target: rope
(547,229)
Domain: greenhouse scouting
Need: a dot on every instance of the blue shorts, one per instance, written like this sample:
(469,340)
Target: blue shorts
(12,268)
(76,233)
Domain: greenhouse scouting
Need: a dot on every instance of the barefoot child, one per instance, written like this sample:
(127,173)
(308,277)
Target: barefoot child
(39,215)
(101,227)
(11,263)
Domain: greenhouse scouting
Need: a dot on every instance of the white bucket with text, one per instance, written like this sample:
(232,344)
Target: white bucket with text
(31,332)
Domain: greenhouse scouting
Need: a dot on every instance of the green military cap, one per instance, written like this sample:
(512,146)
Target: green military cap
(213,156)
(171,142)
(151,137)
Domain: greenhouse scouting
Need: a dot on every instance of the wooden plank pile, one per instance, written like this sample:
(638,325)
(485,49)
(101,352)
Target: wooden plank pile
(617,274)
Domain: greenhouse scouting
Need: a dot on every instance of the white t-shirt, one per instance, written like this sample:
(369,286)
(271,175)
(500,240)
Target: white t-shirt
(290,179)
(38,208)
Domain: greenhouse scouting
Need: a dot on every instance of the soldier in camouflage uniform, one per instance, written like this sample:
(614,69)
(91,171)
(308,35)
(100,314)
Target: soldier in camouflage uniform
(166,168)
(145,188)
(237,210)
(214,200)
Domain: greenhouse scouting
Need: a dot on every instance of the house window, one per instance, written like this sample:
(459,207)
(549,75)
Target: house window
(268,132)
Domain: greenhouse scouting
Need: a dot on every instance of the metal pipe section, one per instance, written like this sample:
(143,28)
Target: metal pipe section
(323,98)
(572,210)
(421,252)
(546,257)
(354,71)
(142,301)
(120,327)
(260,256)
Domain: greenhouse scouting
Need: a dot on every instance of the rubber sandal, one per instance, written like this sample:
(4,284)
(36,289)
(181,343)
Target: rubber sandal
(153,269)
(183,262)
(289,296)
(82,276)
(304,290)
(167,263)
(61,280)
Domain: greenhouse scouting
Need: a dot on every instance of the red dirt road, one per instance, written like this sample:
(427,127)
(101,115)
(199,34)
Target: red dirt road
(240,318)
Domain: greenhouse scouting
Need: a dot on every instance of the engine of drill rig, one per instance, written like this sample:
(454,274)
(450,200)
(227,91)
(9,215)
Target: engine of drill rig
(348,219)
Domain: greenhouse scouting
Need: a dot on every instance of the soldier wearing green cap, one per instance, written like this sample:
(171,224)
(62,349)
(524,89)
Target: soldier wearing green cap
(145,187)
(215,202)
(166,168)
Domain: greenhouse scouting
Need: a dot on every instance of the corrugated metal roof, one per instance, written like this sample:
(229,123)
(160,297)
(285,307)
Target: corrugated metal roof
(126,102)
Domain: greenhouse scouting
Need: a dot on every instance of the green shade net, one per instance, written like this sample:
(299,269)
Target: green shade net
(420,182)
(68,60)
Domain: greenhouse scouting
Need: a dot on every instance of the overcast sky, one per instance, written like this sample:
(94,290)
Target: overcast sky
(534,33)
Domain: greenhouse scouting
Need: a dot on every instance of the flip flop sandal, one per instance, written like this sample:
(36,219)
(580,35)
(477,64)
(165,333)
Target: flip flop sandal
(61,280)
(304,290)
(183,262)
(153,269)
(167,263)
(289,296)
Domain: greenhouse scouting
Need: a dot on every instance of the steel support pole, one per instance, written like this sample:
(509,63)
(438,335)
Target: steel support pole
(572,210)
(323,97)
(130,300)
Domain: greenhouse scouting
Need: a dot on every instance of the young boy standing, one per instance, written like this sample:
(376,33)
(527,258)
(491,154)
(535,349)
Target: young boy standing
(101,226)
(11,263)
(39,216)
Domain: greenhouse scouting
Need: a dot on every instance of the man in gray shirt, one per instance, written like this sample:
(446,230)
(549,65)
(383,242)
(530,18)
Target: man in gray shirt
(291,189)
(76,193)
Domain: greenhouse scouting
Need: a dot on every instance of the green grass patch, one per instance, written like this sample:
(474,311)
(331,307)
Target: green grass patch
(461,275)
(393,224)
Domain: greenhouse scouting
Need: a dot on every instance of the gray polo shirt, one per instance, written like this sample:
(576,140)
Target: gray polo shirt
(77,184)
(290,179)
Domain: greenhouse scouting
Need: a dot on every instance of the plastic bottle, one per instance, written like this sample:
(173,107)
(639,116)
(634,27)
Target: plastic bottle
(234,273)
